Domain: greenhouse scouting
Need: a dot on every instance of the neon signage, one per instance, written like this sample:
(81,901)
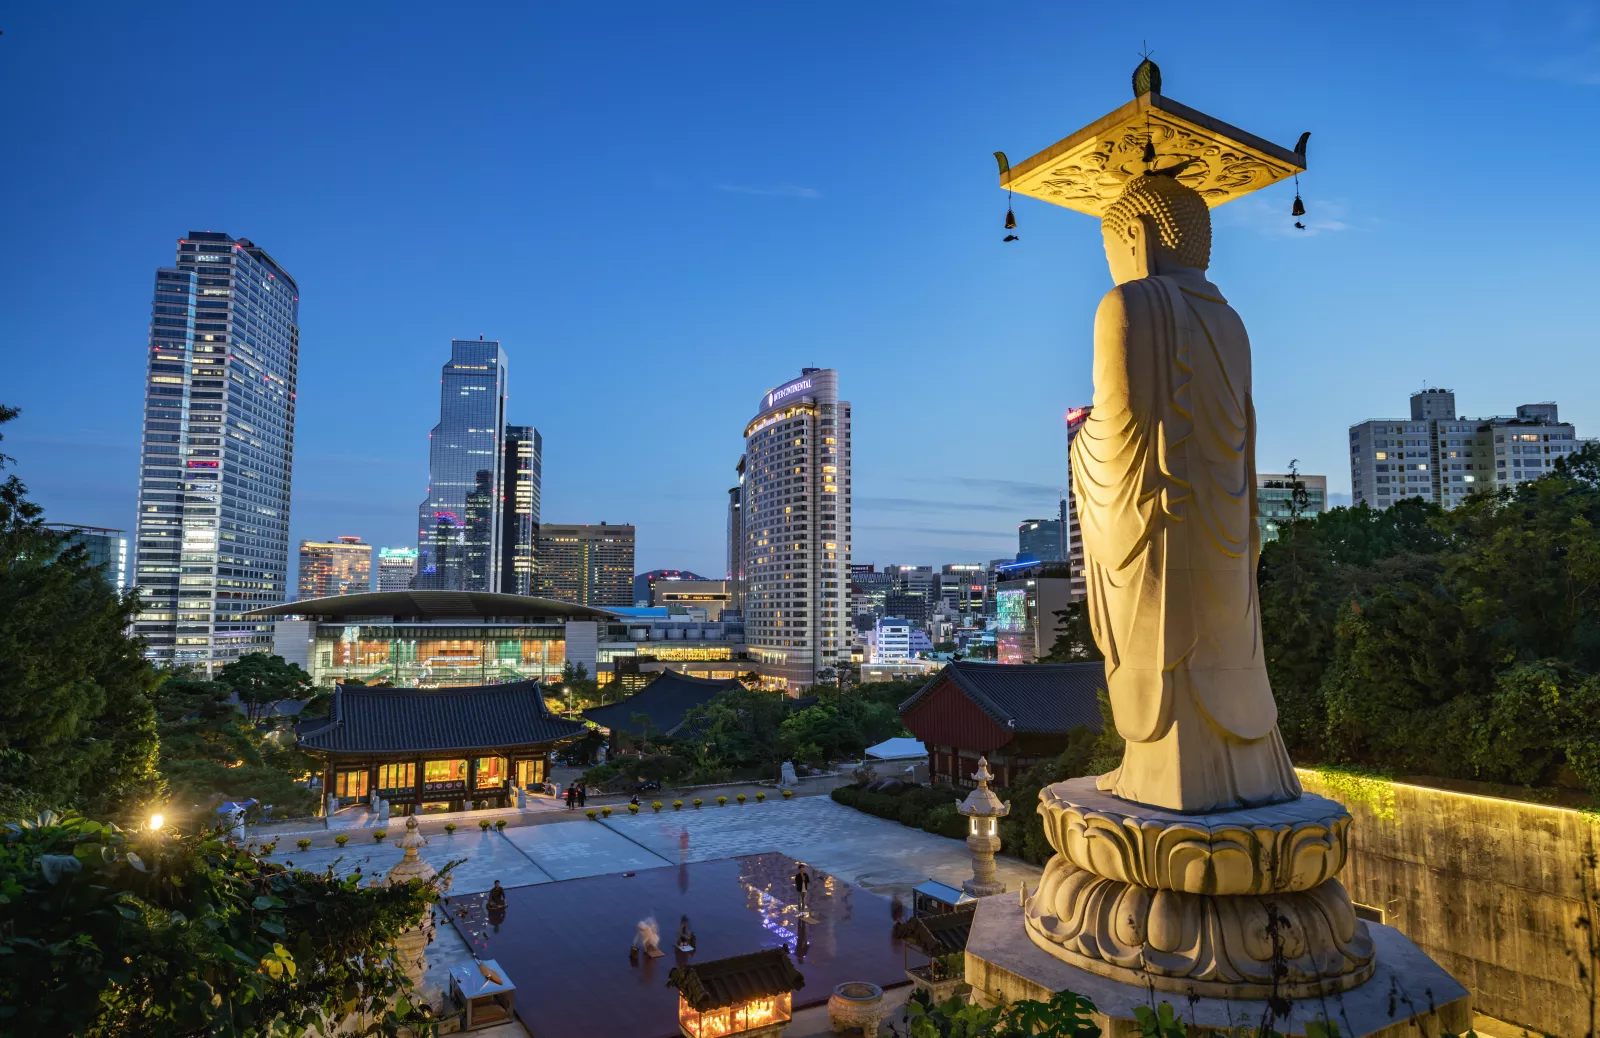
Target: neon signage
(788,389)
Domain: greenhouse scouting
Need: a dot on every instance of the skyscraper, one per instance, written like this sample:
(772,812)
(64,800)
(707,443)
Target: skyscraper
(397,567)
(521,473)
(1080,585)
(458,525)
(338,567)
(588,565)
(1442,458)
(214,474)
(736,539)
(797,529)
(1043,540)
(107,549)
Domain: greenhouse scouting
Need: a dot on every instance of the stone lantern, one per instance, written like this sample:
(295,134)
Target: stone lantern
(411,947)
(984,811)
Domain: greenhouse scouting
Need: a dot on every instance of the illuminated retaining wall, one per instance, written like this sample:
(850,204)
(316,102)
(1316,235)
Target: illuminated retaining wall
(1499,892)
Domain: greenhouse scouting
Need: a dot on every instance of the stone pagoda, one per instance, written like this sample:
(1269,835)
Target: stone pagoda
(1197,872)
(983,810)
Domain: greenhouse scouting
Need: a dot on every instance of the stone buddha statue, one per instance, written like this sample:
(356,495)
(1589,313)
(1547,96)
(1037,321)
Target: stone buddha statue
(1165,480)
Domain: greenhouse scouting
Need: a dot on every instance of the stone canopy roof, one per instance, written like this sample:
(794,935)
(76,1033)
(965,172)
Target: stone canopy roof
(741,978)
(1037,698)
(435,720)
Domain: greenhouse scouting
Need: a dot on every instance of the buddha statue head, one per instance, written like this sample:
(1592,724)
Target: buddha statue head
(1154,227)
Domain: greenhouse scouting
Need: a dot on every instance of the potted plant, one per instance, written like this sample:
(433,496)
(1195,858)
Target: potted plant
(633,809)
(483,824)
(303,844)
(677,805)
(722,801)
(788,793)
(378,835)
(268,848)
(592,814)
(450,827)
(741,798)
(342,839)
(500,825)
(655,805)
(696,801)
(605,812)
(760,797)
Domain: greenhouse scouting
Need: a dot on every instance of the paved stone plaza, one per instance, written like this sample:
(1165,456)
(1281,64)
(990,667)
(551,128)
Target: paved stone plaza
(872,853)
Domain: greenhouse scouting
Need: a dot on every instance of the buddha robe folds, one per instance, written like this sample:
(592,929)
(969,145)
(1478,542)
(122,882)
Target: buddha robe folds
(1165,482)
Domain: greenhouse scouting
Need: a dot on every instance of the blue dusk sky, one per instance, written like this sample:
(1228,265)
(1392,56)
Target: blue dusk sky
(662,210)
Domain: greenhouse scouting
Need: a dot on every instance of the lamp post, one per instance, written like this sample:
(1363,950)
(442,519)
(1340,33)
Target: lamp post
(984,811)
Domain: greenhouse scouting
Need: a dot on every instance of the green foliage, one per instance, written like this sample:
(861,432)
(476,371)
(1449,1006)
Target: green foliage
(262,681)
(1066,1015)
(1352,785)
(103,932)
(919,807)
(76,727)
(1461,644)
(210,752)
(1074,638)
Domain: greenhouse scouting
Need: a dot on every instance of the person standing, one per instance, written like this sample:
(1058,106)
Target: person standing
(802,886)
(572,797)
(583,794)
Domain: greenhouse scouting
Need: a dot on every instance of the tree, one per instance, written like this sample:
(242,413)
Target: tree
(1074,637)
(76,728)
(105,932)
(262,681)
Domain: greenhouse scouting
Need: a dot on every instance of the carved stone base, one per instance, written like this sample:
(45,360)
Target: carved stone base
(1221,946)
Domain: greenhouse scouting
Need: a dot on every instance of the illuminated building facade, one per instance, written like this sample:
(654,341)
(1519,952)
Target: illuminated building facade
(1028,595)
(107,549)
(587,565)
(797,529)
(338,567)
(1080,587)
(397,567)
(644,585)
(213,536)
(522,470)
(458,524)
(432,639)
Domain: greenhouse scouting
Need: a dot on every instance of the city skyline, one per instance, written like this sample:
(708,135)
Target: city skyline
(786,247)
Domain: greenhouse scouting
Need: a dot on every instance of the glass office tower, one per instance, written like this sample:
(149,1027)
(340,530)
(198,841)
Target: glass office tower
(214,472)
(458,525)
(519,523)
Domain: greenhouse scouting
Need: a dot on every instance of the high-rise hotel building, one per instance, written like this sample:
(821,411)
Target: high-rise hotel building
(459,523)
(522,470)
(338,567)
(587,564)
(796,516)
(213,529)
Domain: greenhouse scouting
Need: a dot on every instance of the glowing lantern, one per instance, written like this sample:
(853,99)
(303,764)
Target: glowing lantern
(745,995)
(984,811)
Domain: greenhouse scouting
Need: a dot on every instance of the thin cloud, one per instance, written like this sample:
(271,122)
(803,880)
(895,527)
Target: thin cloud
(779,191)
(1272,217)
(918,504)
(994,535)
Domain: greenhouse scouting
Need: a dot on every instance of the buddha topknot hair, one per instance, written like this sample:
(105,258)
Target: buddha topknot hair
(1181,217)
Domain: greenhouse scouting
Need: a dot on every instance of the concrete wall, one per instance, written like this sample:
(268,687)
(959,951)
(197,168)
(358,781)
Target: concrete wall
(1500,893)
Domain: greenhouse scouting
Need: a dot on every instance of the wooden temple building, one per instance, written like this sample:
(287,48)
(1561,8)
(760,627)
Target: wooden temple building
(450,746)
(665,702)
(1015,714)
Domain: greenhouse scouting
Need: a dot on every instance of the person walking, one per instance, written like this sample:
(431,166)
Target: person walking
(583,794)
(802,886)
(572,797)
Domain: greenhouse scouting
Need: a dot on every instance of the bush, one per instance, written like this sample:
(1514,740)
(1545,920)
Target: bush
(655,805)
(303,844)
(760,797)
(633,809)
(696,801)
(788,793)
(741,798)
(483,824)
(450,827)
(379,835)
(722,801)
(342,839)
(592,814)
(500,826)
(677,805)
(605,812)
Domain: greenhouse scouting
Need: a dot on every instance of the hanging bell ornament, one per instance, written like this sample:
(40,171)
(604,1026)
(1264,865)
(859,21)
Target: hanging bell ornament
(1011,220)
(1149,151)
(1299,207)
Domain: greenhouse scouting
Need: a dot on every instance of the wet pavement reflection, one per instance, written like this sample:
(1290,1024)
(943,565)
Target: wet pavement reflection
(566,945)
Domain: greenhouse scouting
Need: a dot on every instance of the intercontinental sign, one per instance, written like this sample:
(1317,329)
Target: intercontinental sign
(798,387)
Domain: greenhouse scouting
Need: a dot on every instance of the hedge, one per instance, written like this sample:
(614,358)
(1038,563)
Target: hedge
(931,810)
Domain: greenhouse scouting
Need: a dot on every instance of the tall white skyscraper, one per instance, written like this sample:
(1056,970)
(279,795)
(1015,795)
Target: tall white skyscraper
(397,567)
(459,523)
(796,517)
(214,472)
